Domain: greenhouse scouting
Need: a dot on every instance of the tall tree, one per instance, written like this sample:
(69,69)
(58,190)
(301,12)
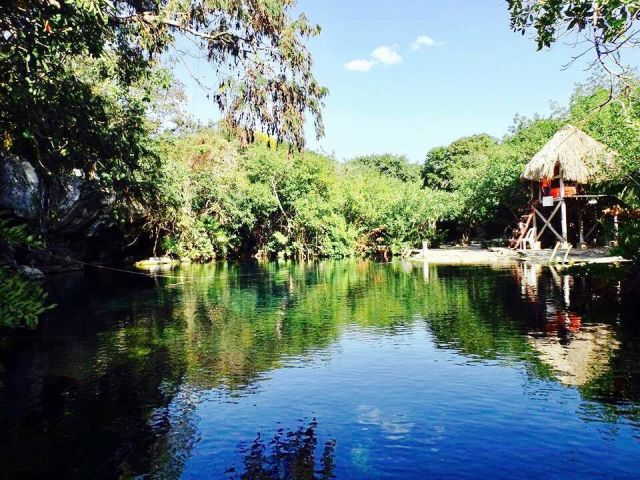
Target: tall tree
(48,107)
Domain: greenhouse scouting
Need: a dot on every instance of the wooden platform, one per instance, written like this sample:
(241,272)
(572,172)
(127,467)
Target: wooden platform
(496,255)
(575,257)
(465,256)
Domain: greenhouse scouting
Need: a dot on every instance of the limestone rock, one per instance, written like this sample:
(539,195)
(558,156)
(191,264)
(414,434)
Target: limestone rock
(18,187)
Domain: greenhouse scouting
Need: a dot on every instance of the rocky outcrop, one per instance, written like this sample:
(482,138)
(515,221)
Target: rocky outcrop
(72,215)
(19,187)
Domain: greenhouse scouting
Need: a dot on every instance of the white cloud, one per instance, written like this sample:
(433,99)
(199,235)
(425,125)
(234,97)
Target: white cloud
(386,55)
(380,56)
(359,65)
(424,41)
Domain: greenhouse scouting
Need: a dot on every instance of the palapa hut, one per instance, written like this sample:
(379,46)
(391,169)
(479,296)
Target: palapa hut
(558,173)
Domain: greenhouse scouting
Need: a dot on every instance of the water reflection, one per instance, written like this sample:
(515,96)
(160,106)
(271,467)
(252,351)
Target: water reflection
(576,352)
(289,455)
(583,358)
(122,379)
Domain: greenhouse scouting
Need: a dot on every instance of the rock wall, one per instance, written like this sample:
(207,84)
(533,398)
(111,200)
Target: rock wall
(72,216)
(19,187)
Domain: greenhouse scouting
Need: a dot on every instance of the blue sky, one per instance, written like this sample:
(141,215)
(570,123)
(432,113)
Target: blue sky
(469,74)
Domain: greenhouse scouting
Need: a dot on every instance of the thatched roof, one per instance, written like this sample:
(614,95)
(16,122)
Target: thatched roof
(580,158)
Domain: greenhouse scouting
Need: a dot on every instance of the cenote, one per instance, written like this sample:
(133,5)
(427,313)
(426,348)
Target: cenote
(349,369)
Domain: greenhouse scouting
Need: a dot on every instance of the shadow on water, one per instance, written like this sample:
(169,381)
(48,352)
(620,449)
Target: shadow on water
(109,385)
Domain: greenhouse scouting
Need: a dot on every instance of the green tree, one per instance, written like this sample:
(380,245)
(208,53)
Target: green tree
(397,166)
(606,25)
(437,171)
(264,68)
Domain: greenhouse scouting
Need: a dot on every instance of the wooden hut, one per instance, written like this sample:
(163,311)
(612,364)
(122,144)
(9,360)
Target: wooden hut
(558,174)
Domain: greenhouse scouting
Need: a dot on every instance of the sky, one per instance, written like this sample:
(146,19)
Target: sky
(405,76)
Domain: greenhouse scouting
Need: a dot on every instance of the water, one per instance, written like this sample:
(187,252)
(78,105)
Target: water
(353,370)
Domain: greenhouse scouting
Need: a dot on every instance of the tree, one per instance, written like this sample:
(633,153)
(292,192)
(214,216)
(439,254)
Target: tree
(397,166)
(257,49)
(605,26)
(437,171)
(77,79)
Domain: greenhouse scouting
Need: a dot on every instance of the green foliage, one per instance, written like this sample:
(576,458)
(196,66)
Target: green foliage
(82,93)
(22,300)
(16,235)
(214,198)
(481,177)
(629,240)
(65,102)
(610,23)
(75,75)
(219,199)
(438,169)
(388,212)
(396,166)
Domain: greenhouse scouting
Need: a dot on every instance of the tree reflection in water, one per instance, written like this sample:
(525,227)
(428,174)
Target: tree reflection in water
(288,455)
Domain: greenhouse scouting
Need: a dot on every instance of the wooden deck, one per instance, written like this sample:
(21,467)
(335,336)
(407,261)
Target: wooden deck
(496,255)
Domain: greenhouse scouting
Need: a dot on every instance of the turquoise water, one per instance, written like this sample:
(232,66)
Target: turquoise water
(351,370)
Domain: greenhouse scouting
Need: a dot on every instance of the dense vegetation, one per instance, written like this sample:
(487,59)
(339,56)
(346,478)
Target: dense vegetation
(220,199)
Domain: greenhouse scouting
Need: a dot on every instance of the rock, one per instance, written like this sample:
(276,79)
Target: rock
(72,214)
(18,187)
(31,272)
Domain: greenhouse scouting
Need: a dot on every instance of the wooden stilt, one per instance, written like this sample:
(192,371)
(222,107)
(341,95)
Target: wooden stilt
(536,244)
(581,229)
(547,222)
(563,213)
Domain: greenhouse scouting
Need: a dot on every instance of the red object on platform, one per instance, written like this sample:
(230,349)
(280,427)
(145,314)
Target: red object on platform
(569,191)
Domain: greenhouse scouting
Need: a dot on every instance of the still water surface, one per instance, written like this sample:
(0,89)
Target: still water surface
(353,370)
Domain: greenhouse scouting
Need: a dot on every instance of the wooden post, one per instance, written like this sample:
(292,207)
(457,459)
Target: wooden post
(563,212)
(555,250)
(535,245)
(566,254)
(539,192)
(581,227)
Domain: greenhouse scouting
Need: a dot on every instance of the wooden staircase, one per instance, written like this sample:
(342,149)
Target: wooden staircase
(520,231)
